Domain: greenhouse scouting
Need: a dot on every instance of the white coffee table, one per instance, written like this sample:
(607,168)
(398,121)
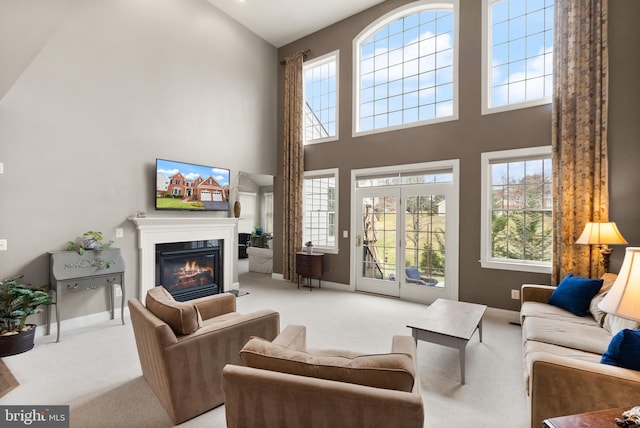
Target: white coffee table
(449,323)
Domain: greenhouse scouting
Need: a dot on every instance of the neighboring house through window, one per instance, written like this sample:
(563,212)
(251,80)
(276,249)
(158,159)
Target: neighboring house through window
(517,210)
(320,212)
(320,99)
(517,54)
(406,68)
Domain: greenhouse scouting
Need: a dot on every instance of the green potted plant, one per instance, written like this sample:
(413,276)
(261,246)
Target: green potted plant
(91,240)
(17,302)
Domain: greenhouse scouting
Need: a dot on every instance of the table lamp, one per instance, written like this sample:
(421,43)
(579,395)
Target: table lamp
(602,234)
(623,299)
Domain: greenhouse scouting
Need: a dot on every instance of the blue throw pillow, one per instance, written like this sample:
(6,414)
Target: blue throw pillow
(574,293)
(624,350)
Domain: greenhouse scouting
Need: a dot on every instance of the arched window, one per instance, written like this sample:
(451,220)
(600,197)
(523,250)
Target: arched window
(406,68)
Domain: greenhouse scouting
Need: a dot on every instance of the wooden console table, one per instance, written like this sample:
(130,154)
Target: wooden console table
(309,265)
(599,419)
(71,271)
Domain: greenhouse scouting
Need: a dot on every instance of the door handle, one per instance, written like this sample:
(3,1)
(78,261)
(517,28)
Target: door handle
(358,240)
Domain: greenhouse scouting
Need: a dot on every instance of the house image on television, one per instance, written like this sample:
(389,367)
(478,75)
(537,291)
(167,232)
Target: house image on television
(203,190)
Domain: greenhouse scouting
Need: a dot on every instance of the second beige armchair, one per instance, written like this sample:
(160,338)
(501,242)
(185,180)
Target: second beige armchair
(288,385)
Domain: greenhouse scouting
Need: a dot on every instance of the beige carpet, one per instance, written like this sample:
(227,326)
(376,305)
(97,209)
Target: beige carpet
(7,380)
(95,370)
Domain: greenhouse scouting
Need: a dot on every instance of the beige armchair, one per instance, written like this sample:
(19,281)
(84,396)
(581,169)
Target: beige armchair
(285,384)
(183,347)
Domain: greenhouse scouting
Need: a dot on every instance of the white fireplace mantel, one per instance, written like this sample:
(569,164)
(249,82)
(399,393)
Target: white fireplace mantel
(162,230)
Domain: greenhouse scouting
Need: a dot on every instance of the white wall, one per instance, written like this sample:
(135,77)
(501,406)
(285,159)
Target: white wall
(117,84)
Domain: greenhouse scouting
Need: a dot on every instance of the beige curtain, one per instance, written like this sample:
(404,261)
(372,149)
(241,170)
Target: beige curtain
(293,165)
(579,132)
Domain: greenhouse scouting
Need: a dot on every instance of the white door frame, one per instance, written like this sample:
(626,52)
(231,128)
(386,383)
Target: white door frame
(453,208)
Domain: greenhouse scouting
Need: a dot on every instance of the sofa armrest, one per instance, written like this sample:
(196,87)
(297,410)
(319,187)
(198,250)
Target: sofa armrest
(264,398)
(536,293)
(563,386)
(216,305)
(293,337)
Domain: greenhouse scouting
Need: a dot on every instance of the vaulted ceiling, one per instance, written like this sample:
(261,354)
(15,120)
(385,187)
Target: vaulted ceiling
(283,21)
(279,22)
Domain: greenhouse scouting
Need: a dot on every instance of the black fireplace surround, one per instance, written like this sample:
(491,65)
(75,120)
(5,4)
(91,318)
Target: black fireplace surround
(190,270)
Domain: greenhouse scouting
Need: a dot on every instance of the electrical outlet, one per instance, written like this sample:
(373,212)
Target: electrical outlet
(119,232)
(515,294)
(3,245)
(1,167)
(118,291)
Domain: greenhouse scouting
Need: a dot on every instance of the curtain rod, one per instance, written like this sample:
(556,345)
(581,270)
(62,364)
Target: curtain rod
(304,53)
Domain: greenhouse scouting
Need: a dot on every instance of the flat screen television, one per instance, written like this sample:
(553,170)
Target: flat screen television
(191,187)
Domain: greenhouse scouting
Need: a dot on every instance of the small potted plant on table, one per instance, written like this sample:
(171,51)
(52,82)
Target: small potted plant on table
(17,302)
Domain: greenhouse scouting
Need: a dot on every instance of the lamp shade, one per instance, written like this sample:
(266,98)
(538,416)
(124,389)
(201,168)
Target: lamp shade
(601,234)
(624,297)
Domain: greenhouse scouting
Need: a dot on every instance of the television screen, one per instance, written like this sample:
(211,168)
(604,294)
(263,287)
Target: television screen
(186,186)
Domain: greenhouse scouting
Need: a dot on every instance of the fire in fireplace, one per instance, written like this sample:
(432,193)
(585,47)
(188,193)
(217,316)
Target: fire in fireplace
(190,270)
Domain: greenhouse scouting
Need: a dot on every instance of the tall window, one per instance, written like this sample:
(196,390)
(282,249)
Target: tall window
(320,218)
(406,68)
(320,96)
(517,207)
(518,53)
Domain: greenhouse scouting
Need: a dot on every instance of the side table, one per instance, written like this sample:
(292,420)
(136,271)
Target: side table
(598,419)
(71,271)
(309,265)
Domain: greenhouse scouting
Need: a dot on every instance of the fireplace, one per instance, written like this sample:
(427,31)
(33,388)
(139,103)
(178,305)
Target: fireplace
(160,230)
(190,270)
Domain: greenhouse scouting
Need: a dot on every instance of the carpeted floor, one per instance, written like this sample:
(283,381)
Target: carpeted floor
(96,371)
(7,380)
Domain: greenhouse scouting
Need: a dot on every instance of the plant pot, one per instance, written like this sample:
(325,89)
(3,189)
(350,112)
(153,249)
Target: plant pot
(17,343)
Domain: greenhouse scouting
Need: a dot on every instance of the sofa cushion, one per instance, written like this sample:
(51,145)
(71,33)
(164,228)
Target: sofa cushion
(623,350)
(390,371)
(607,282)
(532,347)
(574,293)
(613,324)
(182,317)
(588,338)
(545,310)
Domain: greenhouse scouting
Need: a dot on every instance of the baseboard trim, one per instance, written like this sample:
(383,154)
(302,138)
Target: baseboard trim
(82,322)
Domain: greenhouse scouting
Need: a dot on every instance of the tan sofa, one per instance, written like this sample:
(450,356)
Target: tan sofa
(183,347)
(562,353)
(286,384)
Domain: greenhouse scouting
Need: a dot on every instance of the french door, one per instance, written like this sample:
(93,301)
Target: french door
(406,240)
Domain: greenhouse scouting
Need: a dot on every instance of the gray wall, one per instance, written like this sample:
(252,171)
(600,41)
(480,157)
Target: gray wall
(466,139)
(109,87)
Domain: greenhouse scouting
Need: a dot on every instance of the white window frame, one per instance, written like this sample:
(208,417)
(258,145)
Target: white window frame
(486,70)
(329,57)
(331,172)
(486,260)
(409,9)
(267,212)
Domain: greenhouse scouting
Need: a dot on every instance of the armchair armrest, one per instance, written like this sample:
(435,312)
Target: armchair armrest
(536,293)
(404,345)
(563,386)
(216,305)
(293,337)
(407,345)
